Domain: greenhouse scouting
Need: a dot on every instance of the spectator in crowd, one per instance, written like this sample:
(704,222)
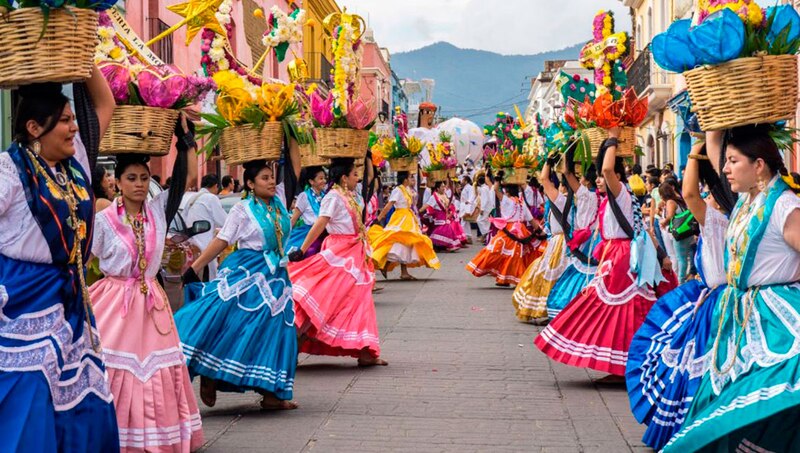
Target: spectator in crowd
(674,204)
(227,186)
(167,183)
(205,205)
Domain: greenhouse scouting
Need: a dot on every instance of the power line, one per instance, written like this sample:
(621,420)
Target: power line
(512,100)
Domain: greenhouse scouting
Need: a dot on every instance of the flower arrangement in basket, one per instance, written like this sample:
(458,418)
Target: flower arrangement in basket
(148,97)
(513,164)
(592,119)
(249,122)
(48,40)
(443,160)
(402,150)
(738,60)
(507,131)
(342,120)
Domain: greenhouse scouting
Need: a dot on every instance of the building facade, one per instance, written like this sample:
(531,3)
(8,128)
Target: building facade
(376,76)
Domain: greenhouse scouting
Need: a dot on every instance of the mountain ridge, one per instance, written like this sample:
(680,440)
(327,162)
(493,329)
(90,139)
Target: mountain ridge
(476,84)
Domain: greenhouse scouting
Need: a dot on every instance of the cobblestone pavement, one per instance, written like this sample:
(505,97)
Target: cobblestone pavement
(463,376)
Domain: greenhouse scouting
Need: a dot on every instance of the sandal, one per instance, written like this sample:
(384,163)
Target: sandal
(377,361)
(281,405)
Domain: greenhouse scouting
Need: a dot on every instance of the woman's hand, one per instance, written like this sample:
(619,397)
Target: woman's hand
(666,265)
(614,132)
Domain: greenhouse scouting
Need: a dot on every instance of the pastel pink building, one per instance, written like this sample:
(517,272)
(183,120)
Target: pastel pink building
(150,17)
(376,76)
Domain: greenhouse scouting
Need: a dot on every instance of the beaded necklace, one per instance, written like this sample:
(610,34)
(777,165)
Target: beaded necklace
(66,191)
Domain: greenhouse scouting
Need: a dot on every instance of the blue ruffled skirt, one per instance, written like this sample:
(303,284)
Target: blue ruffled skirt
(53,390)
(576,277)
(667,359)
(239,328)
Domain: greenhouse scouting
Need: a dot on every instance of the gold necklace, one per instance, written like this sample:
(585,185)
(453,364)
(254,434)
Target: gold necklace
(78,226)
(137,225)
(275,214)
(736,246)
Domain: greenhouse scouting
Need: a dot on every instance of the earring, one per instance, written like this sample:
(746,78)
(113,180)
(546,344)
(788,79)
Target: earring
(36,147)
(762,185)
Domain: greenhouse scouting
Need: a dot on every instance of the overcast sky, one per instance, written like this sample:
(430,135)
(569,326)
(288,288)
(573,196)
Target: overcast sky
(502,26)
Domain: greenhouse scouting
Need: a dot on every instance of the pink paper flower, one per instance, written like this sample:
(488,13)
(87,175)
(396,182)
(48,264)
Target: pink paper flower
(322,110)
(359,116)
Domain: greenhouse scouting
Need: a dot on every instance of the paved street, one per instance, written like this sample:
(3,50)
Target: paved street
(463,376)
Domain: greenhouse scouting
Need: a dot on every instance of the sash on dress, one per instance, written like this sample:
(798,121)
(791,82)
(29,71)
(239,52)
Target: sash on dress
(52,213)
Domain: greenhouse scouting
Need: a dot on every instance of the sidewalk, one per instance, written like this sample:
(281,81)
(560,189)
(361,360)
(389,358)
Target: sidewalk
(463,375)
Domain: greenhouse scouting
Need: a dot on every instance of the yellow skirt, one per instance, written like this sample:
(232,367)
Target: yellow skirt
(530,297)
(401,242)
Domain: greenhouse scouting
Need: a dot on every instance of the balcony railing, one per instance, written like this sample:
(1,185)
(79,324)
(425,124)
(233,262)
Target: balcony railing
(319,68)
(639,74)
(163,48)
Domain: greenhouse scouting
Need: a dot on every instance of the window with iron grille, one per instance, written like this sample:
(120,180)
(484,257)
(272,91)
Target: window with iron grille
(163,48)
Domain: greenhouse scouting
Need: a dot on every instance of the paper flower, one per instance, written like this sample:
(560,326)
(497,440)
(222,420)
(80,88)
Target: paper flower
(322,110)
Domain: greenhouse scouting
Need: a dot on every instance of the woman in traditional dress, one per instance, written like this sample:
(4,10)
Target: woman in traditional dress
(514,247)
(749,400)
(445,232)
(238,330)
(530,297)
(154,400)
(402,241)
(582,237)
(306,208)
(333,289)
(596,328)
(54,395)
(669,354)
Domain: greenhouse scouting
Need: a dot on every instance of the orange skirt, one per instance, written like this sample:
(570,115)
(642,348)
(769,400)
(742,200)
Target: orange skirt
(506,259)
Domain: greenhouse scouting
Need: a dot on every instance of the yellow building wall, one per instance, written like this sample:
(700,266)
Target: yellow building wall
(316,42)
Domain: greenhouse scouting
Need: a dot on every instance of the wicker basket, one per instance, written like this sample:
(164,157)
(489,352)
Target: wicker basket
(309,157)
(515,176)
(755,90)
(240,144)
(403,164)
(342,142)
(442,175)
(596,136)
(64,54)
(437,175)
(627,142)
(140,130)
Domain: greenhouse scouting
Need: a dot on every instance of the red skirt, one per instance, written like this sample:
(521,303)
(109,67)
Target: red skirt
(596,329)
(504,258)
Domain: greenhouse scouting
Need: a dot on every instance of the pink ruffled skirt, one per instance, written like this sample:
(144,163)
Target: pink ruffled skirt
(333,299)
(153,396)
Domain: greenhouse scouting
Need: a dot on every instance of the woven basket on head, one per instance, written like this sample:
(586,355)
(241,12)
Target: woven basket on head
(515,176)
(627,142)
(64,54)
(342,142)
(309,157)
(240,144)
(437,175)
(403,164)
(596,136)
(754,90)
(140,130)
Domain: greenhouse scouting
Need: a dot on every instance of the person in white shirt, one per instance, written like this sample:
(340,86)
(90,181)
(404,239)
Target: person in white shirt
(467,206)
(487,197)
(205,205)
